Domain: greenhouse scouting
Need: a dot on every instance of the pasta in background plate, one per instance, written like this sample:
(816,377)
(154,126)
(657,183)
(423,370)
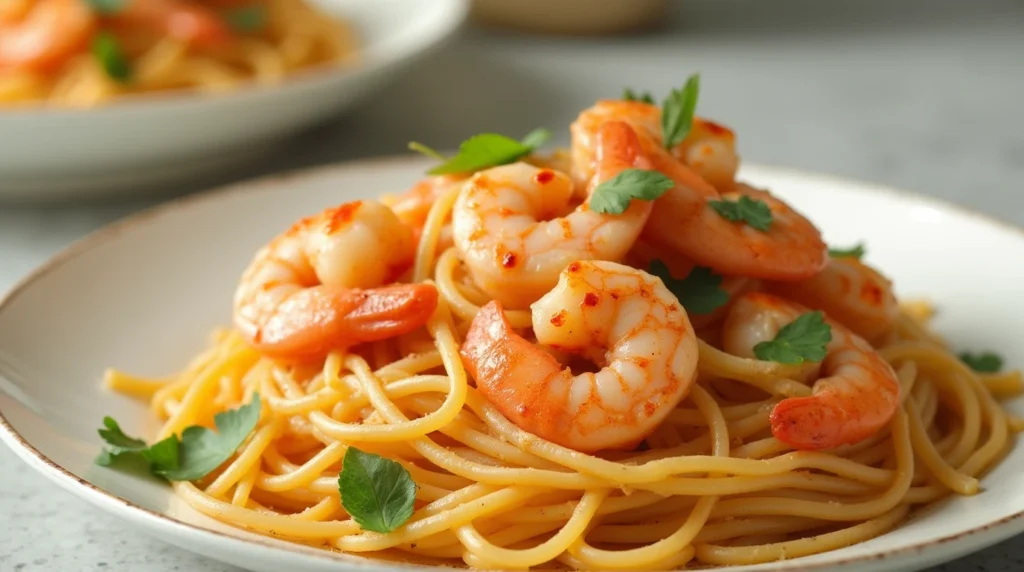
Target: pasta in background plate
(84,53)
(612,357)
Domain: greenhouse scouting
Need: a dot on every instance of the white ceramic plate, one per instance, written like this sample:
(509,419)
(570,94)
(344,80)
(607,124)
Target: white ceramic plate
(143,294)
(163,138)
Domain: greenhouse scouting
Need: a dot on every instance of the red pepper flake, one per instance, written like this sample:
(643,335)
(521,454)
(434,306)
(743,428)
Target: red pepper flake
(559,318)
(544,177)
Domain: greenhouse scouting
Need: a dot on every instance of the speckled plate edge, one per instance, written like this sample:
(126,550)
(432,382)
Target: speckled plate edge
(196,538)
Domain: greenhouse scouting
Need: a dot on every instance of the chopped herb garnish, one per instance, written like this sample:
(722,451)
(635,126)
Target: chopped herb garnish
(644,97)
(483,151)
(246,18)
(107,51)
(677,112)
(856,251)
(803,339)
(754,212)
(700,292)
(106,7)
(378,493)
(196,455)
(984,362)
(614,195)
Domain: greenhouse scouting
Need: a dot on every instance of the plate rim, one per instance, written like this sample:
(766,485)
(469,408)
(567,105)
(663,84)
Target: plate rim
(102,498)
(457,14)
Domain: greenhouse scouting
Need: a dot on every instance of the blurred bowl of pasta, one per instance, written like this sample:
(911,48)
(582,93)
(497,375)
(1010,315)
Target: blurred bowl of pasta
(100,98)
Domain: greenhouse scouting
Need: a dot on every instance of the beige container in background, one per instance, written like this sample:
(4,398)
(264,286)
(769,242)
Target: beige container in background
(589,17)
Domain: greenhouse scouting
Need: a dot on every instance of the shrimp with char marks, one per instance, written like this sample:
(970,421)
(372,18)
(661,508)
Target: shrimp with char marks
(622,319)
(510,232)
(318,287)
(856,392)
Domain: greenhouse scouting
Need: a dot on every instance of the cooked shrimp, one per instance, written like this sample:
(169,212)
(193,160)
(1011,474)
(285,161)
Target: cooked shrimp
(710,150)
(413,206)
(181,20)
(856,392)
(317,287)
(645,120)
(682,219)
(622,318)
(511,245)
(791,248)
(41,36)
(850,292)
(644,252)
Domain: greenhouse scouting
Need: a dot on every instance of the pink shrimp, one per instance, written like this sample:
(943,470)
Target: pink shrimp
(685,221)
(856,392)
(317,287)
(42,36)
(624,320)
(510,230)
(850,292)
(644,252)
(791,248)
(187,22)
(413,206)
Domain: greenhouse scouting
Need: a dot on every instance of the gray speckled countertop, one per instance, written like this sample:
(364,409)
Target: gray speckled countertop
(919,94)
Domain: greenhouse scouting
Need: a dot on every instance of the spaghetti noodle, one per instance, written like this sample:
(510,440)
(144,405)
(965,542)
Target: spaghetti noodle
(711,485)
(262,42)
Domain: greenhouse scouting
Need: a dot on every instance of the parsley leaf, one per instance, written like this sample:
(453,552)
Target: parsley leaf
(106,7)
(613,196)
(700,292)
(483,151)
(107,50)
(202,450)
(159,457)
(754,212)
(803,339)
(985,362)
(246,18)
(677,112)
(643,97)
(856,251)
(377,492)
(198,453)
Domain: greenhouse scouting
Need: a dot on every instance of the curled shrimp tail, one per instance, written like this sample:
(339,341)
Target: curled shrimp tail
(507,365)
(816,422)
(315,321)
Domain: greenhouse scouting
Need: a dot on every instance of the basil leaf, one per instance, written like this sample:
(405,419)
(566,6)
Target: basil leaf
(378,493)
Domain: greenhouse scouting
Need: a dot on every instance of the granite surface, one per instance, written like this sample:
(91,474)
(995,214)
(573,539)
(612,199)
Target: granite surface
(923,95)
